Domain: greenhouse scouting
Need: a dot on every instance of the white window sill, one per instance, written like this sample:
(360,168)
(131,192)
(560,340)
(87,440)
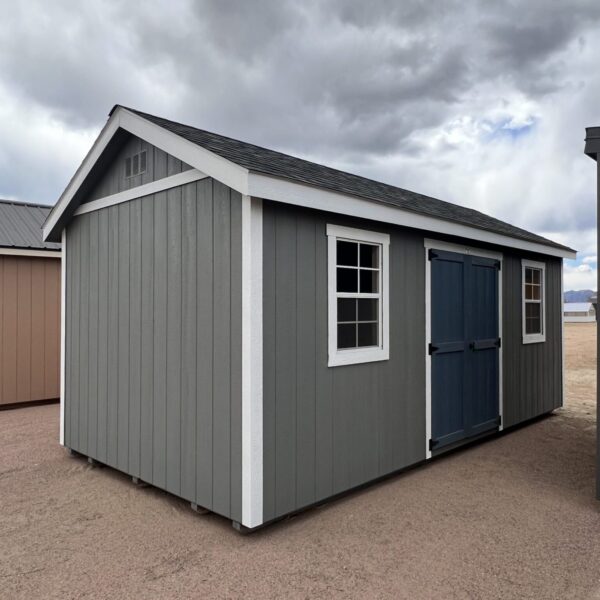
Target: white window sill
(358,356)
(534,339)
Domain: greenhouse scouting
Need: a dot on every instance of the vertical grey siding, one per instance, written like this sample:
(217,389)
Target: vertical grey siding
(327,430)
(532,373)
(159,164)
(330,429)
(153,381)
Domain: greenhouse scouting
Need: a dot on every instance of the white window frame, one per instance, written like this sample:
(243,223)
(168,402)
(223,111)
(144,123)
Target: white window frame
(351,356)
(533,338)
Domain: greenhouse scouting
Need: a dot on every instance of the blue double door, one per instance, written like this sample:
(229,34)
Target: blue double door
(464,348)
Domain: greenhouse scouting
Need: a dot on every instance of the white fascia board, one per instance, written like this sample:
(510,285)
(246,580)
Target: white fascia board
(160,185)
(208,162)
(32,253)
(107,133)
(281,190)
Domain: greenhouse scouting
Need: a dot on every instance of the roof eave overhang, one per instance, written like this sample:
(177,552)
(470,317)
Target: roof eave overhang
(283,190)
(266,187)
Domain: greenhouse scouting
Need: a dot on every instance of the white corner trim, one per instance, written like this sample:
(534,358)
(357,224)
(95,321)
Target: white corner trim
(354,356)
(32,253)
(160,185)
(63,334)
(460,249)
(533,338)
(252,362)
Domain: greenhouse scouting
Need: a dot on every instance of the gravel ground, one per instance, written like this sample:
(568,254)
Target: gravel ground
(513,517)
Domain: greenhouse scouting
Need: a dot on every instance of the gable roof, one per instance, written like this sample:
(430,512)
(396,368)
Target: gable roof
(21,226)
(270,162)
(264,173)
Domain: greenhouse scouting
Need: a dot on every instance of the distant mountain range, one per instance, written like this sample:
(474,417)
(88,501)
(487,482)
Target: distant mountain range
(579,295)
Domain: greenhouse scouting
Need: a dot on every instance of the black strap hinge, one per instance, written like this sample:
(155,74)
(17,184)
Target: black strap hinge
(432,254)
(433,444)
(432,348)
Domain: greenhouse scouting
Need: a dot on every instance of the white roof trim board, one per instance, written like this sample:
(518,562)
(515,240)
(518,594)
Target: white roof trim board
(280,189)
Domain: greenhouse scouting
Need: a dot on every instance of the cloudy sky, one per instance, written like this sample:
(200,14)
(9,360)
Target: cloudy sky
(482,104)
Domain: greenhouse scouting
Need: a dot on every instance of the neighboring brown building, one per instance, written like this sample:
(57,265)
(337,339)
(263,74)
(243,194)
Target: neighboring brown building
(29,307)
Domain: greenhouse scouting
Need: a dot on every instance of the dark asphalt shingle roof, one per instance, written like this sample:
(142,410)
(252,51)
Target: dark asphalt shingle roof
(277,164)
(21,226)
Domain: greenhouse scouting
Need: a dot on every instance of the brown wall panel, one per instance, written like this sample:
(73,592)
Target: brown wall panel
(29,329)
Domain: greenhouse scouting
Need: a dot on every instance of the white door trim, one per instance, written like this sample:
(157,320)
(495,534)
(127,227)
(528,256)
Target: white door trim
(460,249)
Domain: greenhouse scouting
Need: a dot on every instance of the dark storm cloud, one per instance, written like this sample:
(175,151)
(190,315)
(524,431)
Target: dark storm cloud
(386,88)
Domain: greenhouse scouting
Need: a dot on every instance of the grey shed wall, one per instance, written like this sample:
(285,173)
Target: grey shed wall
(153,341)
(327,430)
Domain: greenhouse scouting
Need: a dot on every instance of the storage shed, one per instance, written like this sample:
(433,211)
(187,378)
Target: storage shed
(579,312)
(29,307)
(257,333)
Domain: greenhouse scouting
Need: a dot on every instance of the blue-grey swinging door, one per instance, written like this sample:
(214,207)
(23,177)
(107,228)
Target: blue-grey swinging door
(464,348)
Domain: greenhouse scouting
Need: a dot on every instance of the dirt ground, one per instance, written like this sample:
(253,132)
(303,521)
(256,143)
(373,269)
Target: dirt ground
(514,517)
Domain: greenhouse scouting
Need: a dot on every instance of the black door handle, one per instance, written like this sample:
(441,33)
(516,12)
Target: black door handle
(472,346)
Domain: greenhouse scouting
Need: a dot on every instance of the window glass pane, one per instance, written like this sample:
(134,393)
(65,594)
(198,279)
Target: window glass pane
(347,280)
(532,292)
(346,309)
(536,292)
(536,276)
(347,253)
(367,334)
(533,326)
(533,318)
(143,161)
(533,309)
(347,336)
(128,167)
(367,309)
(369,256)
(528,275)
(369,282)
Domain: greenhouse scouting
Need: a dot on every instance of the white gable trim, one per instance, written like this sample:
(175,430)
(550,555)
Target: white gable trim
(275,188)
(160,185)
(212,164)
